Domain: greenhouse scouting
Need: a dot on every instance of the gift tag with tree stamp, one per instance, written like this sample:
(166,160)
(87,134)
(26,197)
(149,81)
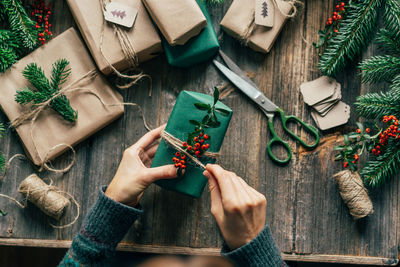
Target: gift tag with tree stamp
(264,12)
(120,14)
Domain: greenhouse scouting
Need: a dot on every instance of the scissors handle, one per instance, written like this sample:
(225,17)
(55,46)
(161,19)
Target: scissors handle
(277,141)
(311,129)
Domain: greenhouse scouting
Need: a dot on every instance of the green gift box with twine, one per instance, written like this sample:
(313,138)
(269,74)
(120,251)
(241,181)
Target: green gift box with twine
(191,108)
(198,49)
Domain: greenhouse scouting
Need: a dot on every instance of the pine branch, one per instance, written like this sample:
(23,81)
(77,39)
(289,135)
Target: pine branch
(377,171)
(376,105)
(60,73)
(20,24)
(380,68)
(9,50)
(45,90)
(395,86)
(389,41)
(354,34)
(35,75)
(392,15)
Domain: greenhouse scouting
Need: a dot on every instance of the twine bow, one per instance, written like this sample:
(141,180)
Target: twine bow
(128,50)
(252,25)
(177,144)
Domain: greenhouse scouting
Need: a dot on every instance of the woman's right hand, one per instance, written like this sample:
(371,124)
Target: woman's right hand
(238,208)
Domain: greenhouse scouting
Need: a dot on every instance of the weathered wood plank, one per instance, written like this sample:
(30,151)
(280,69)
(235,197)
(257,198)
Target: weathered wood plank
(307,217)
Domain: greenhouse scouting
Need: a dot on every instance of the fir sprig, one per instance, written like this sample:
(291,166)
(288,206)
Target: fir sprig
(44,89)
(392,15)
(380,68)
(380,169)
(376,105)
(354,34)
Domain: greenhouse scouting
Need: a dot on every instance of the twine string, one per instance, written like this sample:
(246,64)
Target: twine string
(177,144)
(128,50)
(354,194)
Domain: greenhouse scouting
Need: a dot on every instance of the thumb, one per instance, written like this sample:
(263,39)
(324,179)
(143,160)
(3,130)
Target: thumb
(215,193)
(163,172)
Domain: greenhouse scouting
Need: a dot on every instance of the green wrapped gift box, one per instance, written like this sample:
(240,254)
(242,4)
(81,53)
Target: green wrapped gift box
(198,49)
(192,182)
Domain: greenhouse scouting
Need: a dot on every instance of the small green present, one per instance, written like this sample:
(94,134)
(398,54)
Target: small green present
(189,112)
(198,49)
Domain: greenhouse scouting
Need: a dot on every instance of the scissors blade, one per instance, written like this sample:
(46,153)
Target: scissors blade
(236,69)
(249,90)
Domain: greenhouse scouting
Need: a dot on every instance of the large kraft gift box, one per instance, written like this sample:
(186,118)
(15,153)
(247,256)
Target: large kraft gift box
(50,129)
(198,49)
(239,17)
(178,20)
(192,182)
(143,36)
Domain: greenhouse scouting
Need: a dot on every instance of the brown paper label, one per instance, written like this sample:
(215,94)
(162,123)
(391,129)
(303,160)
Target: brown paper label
(264,13)
(120,14)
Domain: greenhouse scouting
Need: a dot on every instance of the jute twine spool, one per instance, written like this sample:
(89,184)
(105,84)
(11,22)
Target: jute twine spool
(177,144)
(46,197)
(354,194)
(245,38)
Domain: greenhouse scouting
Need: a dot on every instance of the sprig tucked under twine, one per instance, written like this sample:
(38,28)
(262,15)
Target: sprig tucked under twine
(128,51)
(37,109)
(177,144)
(46,197)
(245,38)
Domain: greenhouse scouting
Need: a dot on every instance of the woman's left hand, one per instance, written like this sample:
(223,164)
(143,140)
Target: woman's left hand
(134,174)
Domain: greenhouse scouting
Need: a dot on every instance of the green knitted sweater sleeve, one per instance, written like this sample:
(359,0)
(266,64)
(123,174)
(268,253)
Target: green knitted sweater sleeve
(104,227)
(260,252)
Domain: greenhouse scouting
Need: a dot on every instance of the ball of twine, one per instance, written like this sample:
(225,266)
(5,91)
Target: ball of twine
(354,194)
(45,197)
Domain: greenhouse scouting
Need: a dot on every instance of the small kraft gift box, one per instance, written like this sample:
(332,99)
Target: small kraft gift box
(240,21)
(96,103)
(113,44)
(183,120)
(178,20)
(198,49)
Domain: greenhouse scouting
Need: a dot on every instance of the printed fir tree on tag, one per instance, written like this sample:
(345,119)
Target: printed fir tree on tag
(264,13)
(120,14)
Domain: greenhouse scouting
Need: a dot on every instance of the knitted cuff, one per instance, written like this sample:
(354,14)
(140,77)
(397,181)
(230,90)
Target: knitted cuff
(261,251)
(108,221)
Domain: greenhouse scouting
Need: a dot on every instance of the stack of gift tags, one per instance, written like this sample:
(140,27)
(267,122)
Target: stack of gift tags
(324,95)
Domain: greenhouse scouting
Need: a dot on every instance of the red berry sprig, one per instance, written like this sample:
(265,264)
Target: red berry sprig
(332,25)
(392,132)
(41,14)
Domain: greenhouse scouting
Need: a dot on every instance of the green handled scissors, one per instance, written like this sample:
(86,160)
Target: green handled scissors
(249,88)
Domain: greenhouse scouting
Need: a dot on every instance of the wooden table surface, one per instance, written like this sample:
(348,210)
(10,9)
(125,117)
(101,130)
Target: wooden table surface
(305,212)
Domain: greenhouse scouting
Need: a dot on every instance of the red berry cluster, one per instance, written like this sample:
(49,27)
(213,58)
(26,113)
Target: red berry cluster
(179,163)
(355,159)
(337,16)
(196,147)
(392,131)
(41,14)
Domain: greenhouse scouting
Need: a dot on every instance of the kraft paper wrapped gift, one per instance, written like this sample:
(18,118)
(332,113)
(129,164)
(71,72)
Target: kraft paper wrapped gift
(240,15)
(192,182)
(143,35)
(50,129)
(198,49)
(178,20)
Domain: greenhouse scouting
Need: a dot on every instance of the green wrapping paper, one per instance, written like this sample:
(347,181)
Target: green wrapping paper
(193,181)
(198,49)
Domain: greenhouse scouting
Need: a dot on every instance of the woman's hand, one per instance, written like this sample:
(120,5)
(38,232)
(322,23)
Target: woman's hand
(238,208)
(134,174)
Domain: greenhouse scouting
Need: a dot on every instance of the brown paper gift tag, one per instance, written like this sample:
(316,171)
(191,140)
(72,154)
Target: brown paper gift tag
(264,13)
(318,90)
(50,129)
(239,16)
(90,18)
(178,20)
(339,115)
